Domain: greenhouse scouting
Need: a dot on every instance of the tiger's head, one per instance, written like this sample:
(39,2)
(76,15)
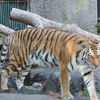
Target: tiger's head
(89,54)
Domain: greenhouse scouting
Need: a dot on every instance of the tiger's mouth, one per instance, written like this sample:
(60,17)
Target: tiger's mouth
(94,67)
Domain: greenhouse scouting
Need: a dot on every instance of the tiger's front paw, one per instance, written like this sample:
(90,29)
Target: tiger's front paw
(68,98)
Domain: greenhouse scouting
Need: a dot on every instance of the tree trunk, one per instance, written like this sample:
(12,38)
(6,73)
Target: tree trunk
(38,21)
(5,30)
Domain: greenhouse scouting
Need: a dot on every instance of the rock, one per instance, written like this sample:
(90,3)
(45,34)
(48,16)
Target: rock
(46,71)
(97,84)
(11,82)
(10,90)
(37,85)
(39,77)
(34,66)
(27,80)
(30,90)
(76,84)
(53,83)
(43,84)
(1,42)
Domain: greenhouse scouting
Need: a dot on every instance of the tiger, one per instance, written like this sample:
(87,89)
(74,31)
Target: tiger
(50,48)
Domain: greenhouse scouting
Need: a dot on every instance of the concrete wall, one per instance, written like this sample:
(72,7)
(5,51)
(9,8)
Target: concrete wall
(82,12)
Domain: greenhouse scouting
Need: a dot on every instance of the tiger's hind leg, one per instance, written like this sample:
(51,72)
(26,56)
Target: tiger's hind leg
(6,73)
(21,76)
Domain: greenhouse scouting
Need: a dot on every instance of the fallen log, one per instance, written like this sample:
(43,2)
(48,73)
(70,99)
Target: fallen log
(38,21)
(5,30)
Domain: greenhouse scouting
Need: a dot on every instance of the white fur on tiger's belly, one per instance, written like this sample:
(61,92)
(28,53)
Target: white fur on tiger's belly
(42,59)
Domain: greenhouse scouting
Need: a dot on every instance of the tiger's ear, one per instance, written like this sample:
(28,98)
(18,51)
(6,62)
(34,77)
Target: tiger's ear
(83,43)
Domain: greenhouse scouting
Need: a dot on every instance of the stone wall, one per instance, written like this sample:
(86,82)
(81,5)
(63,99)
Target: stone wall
(82,12)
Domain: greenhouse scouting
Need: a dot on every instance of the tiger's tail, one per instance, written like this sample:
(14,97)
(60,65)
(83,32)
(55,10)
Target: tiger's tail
(4,52)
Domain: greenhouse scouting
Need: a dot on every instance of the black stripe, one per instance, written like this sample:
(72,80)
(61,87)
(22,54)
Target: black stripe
(35,35)
(51,52)
(83,55)
(57,39)
(23,75)
(87,83)
(41,33)
(34,32)
(43,61)
(6,44)
(29,35)
(52,37)
(16,61)
(4,49)
(39,53)
(13,37)
(2,54)
(55,58)
(44,48)
(23,53)
(54,62)
(77,54)
(24,62)
(72,65)
(21,34)
(46,59)
(27,66)
(67,35)
(76,39)
(28,39)
(32,55)
(63,36)
(15,70)
(1,60)
(39,42)
(68,69)
(19,56)
(25,33)
(49,35)
(85,74)
(30,45)
(71,38)
(13,67)
(23,68)
(36,56)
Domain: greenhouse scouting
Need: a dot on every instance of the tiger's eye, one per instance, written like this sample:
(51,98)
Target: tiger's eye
(96,48)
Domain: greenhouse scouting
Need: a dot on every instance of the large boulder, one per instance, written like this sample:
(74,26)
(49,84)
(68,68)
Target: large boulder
(53,83)
(48,82)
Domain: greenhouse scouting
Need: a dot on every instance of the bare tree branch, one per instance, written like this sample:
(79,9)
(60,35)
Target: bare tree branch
(5,30)
(36,20)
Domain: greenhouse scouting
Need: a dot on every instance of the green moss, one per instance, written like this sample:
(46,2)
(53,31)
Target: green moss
(86,94)
(98,26)
(2,35)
